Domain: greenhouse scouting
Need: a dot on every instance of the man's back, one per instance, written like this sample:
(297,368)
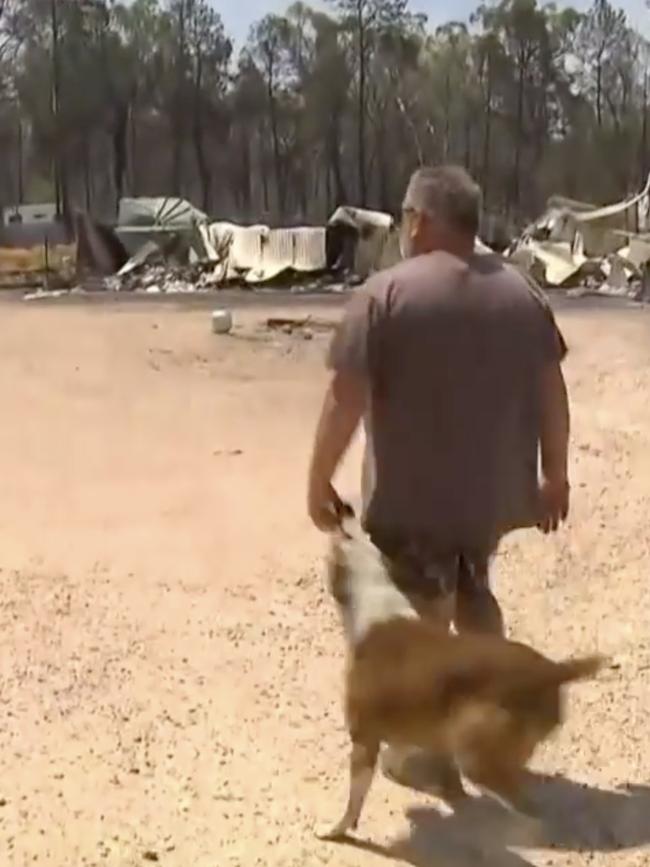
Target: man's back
(452,350)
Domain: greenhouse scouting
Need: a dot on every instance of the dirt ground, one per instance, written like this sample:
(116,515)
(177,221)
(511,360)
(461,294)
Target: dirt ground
(170,663)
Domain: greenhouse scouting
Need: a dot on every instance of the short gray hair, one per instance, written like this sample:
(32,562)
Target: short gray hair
(446,192)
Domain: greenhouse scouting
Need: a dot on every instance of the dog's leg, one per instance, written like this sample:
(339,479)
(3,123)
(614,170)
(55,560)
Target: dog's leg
(425,771)
(451,787)
(363,759)
(505,782)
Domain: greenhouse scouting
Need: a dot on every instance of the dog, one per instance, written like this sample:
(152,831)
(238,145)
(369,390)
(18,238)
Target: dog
(482,703)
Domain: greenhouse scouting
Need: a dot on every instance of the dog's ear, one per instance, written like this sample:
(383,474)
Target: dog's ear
(337,572)
(347,519)
(344,510)
(579,669)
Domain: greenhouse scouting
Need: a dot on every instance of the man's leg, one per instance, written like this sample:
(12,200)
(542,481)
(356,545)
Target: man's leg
(429,584)
(477,609)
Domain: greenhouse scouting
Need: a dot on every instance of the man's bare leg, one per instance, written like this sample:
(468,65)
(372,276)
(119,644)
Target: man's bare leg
(477,609)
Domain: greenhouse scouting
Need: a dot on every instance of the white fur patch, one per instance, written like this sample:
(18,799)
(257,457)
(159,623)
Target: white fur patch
(371,596)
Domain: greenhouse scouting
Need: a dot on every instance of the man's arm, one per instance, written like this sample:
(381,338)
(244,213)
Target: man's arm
(554,444)
(349,359)
(343,408)
(542,299)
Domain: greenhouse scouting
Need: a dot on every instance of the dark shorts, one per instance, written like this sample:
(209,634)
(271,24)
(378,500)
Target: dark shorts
(419,568)
(446,587)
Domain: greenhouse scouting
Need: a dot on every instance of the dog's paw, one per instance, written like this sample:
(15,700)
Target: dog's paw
(338,832)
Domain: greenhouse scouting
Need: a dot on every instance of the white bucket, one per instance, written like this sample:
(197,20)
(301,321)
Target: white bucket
(221,321)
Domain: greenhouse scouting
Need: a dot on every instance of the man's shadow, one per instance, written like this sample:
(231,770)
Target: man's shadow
(576,817)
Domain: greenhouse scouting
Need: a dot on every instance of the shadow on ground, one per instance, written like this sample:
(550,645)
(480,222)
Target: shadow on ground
(576,817)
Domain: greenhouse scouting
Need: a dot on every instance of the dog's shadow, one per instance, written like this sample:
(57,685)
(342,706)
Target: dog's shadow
(576,817)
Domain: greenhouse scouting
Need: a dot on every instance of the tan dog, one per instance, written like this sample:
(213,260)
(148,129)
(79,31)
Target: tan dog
(482,702)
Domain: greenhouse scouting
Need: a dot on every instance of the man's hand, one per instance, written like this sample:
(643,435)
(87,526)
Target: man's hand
(342,410)
(326,508)
(554,503)
(554,442)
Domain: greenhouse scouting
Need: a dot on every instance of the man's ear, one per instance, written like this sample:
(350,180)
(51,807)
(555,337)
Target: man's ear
(419,224)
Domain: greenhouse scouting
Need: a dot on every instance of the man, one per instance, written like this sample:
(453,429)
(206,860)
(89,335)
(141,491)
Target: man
(453,362)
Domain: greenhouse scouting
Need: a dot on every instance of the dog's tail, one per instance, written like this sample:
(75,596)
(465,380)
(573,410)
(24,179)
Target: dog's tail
(583,668)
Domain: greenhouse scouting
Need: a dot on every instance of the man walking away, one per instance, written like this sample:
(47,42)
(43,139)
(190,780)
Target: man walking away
(452,360)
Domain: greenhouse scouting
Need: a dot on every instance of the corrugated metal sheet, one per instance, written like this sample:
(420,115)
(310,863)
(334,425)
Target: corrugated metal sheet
(220,235)
(558,259)
(167,211)
(377,242)
(309,252)
(246,248)
(637,253)
(359,218)
(564,203)
(481,248)
(630,215)
(299,249)
(206,239)
(27,235)
(604,238)
(44,212)
(619,215)
(276,256)
(260,254)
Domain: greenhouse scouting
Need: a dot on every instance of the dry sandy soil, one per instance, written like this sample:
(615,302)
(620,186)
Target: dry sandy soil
(170,662)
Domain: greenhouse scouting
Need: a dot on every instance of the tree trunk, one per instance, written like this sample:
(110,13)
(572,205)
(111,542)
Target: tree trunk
(328,190)
(468,142)
(202,162)
(316,191)
(412,129)
(133,150)
(445,154)
(59,182)
(644,161)
(87,173)
(21,166)
(487,141)
(361,120)
(177,125)
(334,159)
(246,168)
(599,91)
(302,179)
(264,171)
(516,177)
(120,133)
(65,189)
(382,169)
(56,180)
(275,138)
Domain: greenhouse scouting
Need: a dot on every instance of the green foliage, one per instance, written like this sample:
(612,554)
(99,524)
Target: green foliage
(102,98)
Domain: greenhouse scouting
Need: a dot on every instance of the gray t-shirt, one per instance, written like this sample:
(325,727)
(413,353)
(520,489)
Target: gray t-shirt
(452,351)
